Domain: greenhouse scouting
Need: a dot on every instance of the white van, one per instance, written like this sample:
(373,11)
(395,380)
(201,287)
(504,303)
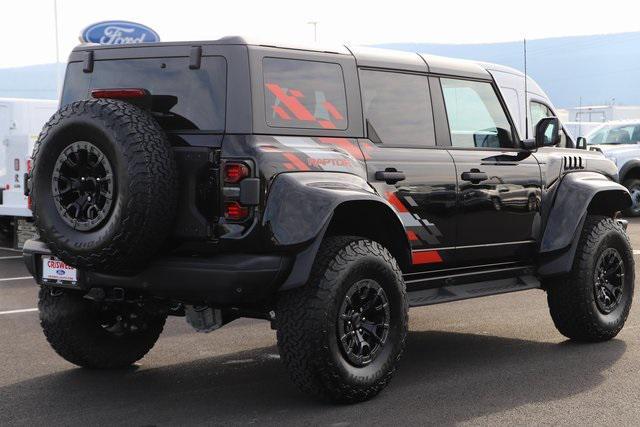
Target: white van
(21,121)
(511,83)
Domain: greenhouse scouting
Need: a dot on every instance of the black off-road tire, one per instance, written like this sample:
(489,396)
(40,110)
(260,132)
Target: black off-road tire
(633,185)
(306,322)
(145,185)
(572,299)
(73,327)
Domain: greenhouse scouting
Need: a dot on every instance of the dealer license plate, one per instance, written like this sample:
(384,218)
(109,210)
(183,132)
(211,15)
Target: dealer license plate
(56,271)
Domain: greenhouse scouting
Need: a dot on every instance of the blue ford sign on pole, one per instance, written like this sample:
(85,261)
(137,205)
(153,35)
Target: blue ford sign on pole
(118,32)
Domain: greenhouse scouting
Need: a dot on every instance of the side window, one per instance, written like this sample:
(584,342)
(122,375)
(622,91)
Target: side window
(304,94)
(476,117)
(539,111)
(621,135)
(635,137)
(397,108)
(597,137)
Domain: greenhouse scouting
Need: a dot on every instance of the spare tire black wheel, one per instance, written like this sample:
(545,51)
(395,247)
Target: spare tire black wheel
(103,185)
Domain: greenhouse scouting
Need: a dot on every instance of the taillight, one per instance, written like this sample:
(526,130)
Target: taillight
(127,93)
(235,211)
(235,172)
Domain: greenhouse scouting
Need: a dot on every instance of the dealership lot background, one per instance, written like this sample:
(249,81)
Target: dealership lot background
(483,361)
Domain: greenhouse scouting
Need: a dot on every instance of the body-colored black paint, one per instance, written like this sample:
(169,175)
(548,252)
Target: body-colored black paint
(498,216)
(526,213)
(427,198)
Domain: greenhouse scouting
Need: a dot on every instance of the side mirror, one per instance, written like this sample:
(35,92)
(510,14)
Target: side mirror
(547,132)
(581,143)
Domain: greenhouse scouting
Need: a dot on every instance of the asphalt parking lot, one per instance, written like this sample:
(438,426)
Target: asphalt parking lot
(496,360)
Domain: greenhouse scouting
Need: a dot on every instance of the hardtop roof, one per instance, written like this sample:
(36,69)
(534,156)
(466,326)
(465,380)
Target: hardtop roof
(364,56)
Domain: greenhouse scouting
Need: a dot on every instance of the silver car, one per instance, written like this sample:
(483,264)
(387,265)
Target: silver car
(619,141)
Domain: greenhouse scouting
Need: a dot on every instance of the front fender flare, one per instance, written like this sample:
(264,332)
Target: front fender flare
(578,194)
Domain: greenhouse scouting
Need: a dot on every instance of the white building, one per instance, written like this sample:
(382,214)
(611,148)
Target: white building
(603,113)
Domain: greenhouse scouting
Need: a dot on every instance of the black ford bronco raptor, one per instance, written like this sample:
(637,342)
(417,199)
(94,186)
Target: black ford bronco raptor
(324,190)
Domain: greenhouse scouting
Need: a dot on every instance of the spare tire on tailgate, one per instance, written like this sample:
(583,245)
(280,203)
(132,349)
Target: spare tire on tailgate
(103,185)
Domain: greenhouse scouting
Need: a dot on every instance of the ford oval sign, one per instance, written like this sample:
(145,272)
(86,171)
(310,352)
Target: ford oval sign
(118,32)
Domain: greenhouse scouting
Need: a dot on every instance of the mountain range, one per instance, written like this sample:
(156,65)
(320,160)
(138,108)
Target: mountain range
(587,70)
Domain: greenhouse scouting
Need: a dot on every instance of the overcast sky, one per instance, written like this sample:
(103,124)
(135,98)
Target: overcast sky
(27,29)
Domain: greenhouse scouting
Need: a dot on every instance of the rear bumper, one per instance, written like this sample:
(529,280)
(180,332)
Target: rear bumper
(222,280)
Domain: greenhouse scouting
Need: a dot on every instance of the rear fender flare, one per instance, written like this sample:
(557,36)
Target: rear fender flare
(300,208)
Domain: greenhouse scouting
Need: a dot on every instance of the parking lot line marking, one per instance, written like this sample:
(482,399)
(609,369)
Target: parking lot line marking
(22,310)
(9,249)
(9,279)
(10,257)
(636,252)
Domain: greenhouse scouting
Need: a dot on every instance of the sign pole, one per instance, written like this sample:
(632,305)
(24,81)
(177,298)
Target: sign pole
(55,22)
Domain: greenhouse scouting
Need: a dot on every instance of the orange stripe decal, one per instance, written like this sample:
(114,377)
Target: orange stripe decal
(412,236)
(396,203)
(425,257)
(326,124)
(344,143)
(332,110)
(295,160)
(291,102)
(281,113)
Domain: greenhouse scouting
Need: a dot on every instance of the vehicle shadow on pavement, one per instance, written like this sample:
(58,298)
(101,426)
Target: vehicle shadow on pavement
(444,378)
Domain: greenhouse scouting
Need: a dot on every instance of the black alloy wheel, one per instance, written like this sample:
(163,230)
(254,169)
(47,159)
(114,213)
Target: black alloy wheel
(363,327)
(82,186)
(609,280)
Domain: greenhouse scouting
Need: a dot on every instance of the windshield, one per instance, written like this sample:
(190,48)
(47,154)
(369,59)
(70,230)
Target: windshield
(615,134)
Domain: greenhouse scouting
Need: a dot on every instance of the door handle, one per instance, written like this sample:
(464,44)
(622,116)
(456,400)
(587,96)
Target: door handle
(390,176)
(474,176)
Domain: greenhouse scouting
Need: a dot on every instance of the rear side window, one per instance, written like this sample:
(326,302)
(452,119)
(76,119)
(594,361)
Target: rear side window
(190,99)
(397,108)
(304,94)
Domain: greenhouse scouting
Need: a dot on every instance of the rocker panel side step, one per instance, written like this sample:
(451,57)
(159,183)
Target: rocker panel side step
(472,290)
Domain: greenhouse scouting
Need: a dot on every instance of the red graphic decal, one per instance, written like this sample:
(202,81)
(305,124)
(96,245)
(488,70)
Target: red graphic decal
(332,110)
(299,164)
(346,145)
(326,124)
(291,102)
(396,203)
(269,149)
(425,257)
(289,166)
(296,93)
(281,113)
(412,236)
